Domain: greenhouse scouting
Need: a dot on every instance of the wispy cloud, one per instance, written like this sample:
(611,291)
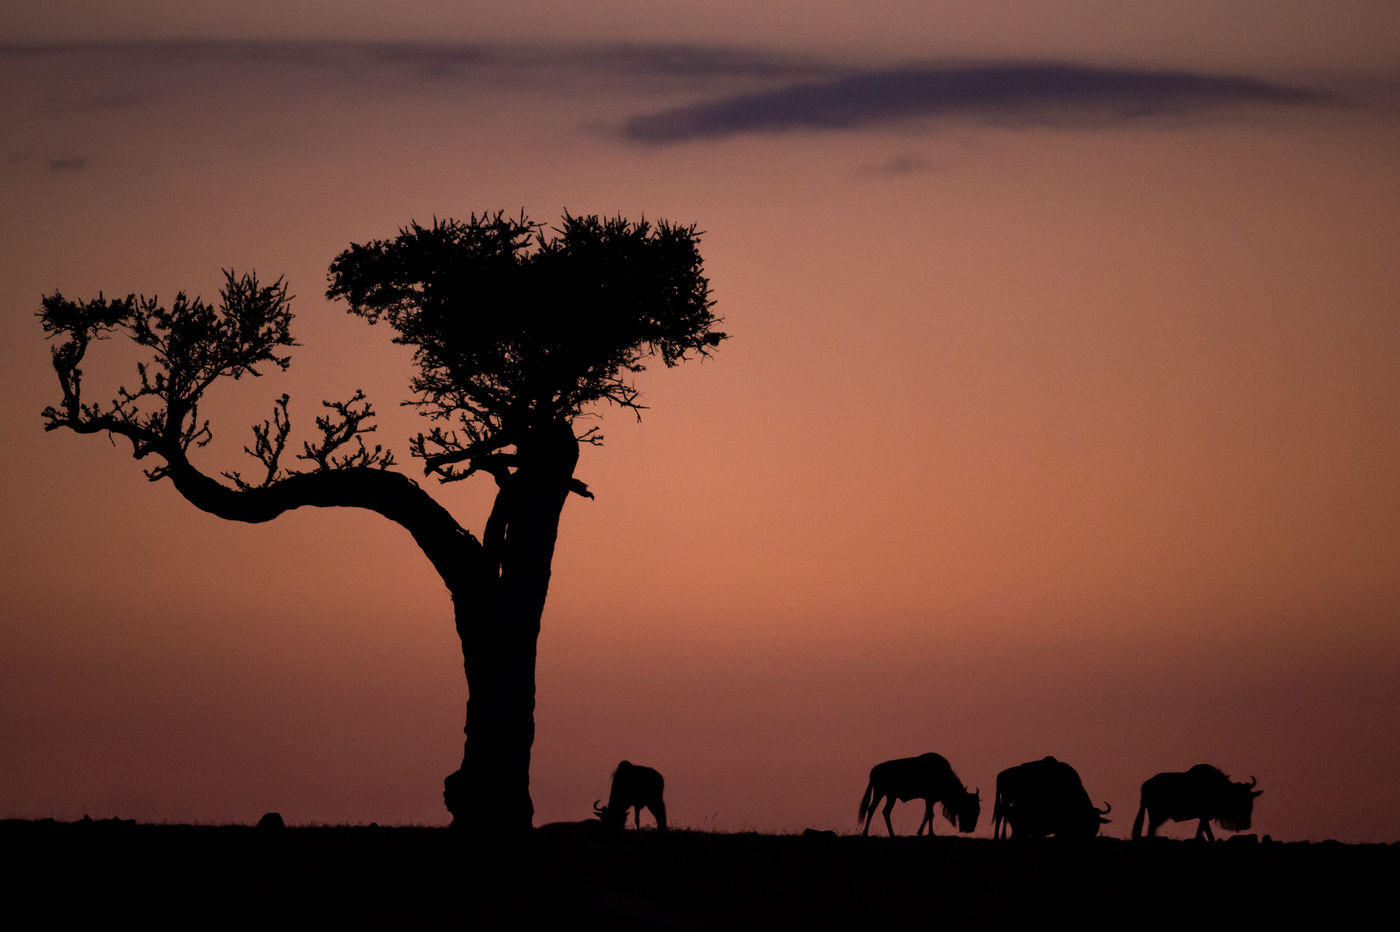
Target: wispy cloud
(438,60)
(673,93)
(1015,94)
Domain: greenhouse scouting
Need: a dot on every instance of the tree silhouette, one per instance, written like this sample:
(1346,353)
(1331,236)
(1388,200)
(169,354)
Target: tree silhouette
(515,331)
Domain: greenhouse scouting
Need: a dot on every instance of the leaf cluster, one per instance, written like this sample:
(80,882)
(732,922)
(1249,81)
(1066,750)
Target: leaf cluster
(515,327)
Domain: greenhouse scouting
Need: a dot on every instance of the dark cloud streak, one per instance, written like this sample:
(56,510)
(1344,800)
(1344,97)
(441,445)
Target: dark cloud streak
(740,91)
(1013,94)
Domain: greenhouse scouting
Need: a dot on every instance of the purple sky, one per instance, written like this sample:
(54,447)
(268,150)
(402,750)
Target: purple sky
(1059,415)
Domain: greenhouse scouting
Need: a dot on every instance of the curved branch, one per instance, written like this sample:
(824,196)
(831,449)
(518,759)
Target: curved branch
(454,552)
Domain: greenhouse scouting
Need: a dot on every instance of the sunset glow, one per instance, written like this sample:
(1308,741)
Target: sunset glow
(1059,414)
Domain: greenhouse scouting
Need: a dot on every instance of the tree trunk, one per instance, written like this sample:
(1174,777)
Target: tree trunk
(489,796)
(498,621)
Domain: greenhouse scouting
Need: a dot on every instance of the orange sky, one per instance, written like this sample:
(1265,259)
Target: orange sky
(1054,428)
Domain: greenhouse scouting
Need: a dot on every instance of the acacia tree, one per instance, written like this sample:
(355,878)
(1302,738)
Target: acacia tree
(515,332)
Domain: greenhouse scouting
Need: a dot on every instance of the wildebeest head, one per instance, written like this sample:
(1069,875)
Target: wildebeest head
(1083,819)
(1236,806)
(1079,819)
(611,816)
(964,810)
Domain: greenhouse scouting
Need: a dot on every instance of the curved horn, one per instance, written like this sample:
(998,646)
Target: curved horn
(599,808)
(1105,810)
(1252,781)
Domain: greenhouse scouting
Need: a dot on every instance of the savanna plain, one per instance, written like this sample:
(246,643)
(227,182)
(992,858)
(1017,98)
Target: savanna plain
(92,874)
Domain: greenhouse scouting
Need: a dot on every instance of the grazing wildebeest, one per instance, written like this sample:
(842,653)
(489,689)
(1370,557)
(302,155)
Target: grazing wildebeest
(1044,797)
(633,787)
(927,777)
(1202,792)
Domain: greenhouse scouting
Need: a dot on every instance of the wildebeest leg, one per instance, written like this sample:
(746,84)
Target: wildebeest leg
(1137,823)
(658,811)
(1203,830)
(637,816)
(889,807)
(928,819)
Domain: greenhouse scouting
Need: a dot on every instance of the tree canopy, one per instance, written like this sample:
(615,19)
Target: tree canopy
(513,328)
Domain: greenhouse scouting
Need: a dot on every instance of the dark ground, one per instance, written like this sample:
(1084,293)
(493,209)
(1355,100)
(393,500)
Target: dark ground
(96,874)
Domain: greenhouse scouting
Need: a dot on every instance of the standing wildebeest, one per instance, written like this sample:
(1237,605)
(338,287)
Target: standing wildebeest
(1202,792)
(633,787)
(927,777)
(1044,797)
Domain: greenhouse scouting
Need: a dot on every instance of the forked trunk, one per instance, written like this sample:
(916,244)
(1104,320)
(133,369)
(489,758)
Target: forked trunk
(498,621)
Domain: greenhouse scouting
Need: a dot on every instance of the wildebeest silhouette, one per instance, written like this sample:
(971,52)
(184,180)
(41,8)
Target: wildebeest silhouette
(1044,797)
(633,787)
(1204,793)
(928,777)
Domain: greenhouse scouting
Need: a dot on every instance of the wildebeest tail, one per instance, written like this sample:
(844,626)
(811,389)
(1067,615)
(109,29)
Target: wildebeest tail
(866,803)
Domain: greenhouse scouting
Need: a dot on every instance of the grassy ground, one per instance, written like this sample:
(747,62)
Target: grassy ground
(92,875)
